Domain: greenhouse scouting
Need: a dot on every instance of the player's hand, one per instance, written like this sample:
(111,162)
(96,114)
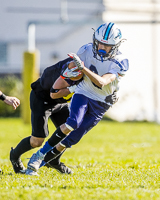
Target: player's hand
(114,97)
(12,101)
(77,60)
(70,73)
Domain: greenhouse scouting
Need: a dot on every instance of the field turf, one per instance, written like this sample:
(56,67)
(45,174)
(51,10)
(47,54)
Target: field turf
(114,161)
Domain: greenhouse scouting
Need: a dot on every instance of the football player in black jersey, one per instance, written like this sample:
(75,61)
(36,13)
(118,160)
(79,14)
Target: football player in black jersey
(44,107)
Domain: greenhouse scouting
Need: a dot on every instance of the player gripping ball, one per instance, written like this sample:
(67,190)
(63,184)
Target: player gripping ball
(72,70)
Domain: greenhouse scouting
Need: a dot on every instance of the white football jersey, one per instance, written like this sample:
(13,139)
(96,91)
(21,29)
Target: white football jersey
(117,65)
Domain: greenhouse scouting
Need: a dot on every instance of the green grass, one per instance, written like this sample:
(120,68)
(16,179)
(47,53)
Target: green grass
(115,161)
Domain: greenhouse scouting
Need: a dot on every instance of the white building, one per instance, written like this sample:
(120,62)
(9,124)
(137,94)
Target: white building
(60,27)
(140,91)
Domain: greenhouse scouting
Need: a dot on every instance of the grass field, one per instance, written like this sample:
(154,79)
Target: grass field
(114,161)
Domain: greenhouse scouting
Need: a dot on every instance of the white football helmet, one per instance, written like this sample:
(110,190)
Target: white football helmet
(107,34)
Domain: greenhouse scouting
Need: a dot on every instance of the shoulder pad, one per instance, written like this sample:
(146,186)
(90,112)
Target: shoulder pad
(83,49)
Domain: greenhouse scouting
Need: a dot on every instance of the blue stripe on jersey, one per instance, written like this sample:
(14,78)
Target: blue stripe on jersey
(123,64)
(108,29)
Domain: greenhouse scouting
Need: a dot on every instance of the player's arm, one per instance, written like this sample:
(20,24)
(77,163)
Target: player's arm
(60,89)
(100,81)
(12,101)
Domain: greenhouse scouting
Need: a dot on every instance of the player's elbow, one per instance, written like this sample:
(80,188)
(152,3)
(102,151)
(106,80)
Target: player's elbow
(109,80)
(101,84)
(112,78)
(53,95)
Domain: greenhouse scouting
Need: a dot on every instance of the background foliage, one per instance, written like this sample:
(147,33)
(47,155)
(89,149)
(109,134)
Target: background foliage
(12,86)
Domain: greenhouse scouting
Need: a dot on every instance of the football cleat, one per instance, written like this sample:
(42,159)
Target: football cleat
(35,161)
(31,172)
(60,167)
(16,163)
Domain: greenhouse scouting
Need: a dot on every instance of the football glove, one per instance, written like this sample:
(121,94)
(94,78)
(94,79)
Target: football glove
(77,60)
(114,97)
(70,73)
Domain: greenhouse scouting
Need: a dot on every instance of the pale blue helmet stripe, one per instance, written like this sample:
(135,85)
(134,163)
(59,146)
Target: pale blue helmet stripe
(106,35)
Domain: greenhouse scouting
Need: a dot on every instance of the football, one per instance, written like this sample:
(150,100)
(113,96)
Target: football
(70,66)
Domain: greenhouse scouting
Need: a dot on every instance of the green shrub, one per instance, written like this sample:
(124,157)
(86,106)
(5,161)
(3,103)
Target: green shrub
(10,85)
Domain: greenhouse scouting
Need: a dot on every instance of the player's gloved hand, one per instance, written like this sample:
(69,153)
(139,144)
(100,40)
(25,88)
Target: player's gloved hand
(72,88)
(70,73)
(77,60)
(114,97)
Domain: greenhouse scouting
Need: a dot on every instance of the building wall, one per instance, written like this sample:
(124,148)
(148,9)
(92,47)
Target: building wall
(140,89)
(54,39)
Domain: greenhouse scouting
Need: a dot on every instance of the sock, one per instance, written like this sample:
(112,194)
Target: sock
(51,155)
(46,148)
(56,161)
(56,137)
(52,158)
(22,147)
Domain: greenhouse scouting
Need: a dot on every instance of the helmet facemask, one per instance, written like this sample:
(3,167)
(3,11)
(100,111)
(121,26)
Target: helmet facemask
(98,37)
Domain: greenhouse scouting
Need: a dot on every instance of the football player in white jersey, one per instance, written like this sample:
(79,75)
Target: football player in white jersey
(103,65)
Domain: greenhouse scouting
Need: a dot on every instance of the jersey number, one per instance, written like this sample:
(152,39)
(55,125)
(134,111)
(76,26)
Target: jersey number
(93,69)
